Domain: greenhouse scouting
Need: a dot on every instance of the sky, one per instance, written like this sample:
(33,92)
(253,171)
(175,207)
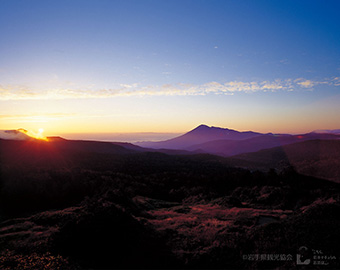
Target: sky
(161,66)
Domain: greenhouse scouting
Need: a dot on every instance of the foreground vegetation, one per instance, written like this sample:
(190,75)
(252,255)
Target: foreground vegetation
(74,209)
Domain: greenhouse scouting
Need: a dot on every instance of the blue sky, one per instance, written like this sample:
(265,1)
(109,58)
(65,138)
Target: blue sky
(167,66)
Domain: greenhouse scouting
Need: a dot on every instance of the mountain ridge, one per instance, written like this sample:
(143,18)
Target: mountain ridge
(266,141)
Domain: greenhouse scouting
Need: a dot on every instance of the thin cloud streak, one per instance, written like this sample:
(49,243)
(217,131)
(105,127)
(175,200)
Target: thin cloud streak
(181,89)
(50,115)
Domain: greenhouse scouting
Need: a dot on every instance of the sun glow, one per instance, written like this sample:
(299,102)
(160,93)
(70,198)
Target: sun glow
(38,135)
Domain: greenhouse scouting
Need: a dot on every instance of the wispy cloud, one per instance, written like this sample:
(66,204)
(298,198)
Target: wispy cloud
(336,81)
(305,83)
(36,118)
(180,89)
(50,115)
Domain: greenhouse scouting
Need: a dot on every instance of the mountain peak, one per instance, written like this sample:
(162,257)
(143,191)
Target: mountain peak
(206,129)
(200,134)
(202,127)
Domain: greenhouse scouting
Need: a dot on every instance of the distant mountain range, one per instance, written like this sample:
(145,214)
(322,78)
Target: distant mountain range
(316,153)
(331,131)
(228,142)
(235,147)
(202,139)
(199,135)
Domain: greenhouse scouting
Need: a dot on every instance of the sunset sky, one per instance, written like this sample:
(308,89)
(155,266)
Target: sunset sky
(164,66)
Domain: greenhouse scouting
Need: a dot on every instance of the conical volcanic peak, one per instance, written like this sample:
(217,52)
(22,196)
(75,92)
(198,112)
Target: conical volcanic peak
(200,134)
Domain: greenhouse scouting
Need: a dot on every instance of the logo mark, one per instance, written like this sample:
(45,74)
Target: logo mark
(303,257)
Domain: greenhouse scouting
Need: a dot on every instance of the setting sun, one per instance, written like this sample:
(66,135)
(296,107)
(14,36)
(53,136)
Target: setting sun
(38,135)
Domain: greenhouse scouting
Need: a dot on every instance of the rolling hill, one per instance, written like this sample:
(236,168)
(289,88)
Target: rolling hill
(234,147)
(318,158)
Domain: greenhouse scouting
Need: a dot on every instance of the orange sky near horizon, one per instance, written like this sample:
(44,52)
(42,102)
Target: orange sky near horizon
(316,115)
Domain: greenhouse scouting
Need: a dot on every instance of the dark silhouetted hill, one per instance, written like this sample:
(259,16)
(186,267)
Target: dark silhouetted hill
(91,205)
